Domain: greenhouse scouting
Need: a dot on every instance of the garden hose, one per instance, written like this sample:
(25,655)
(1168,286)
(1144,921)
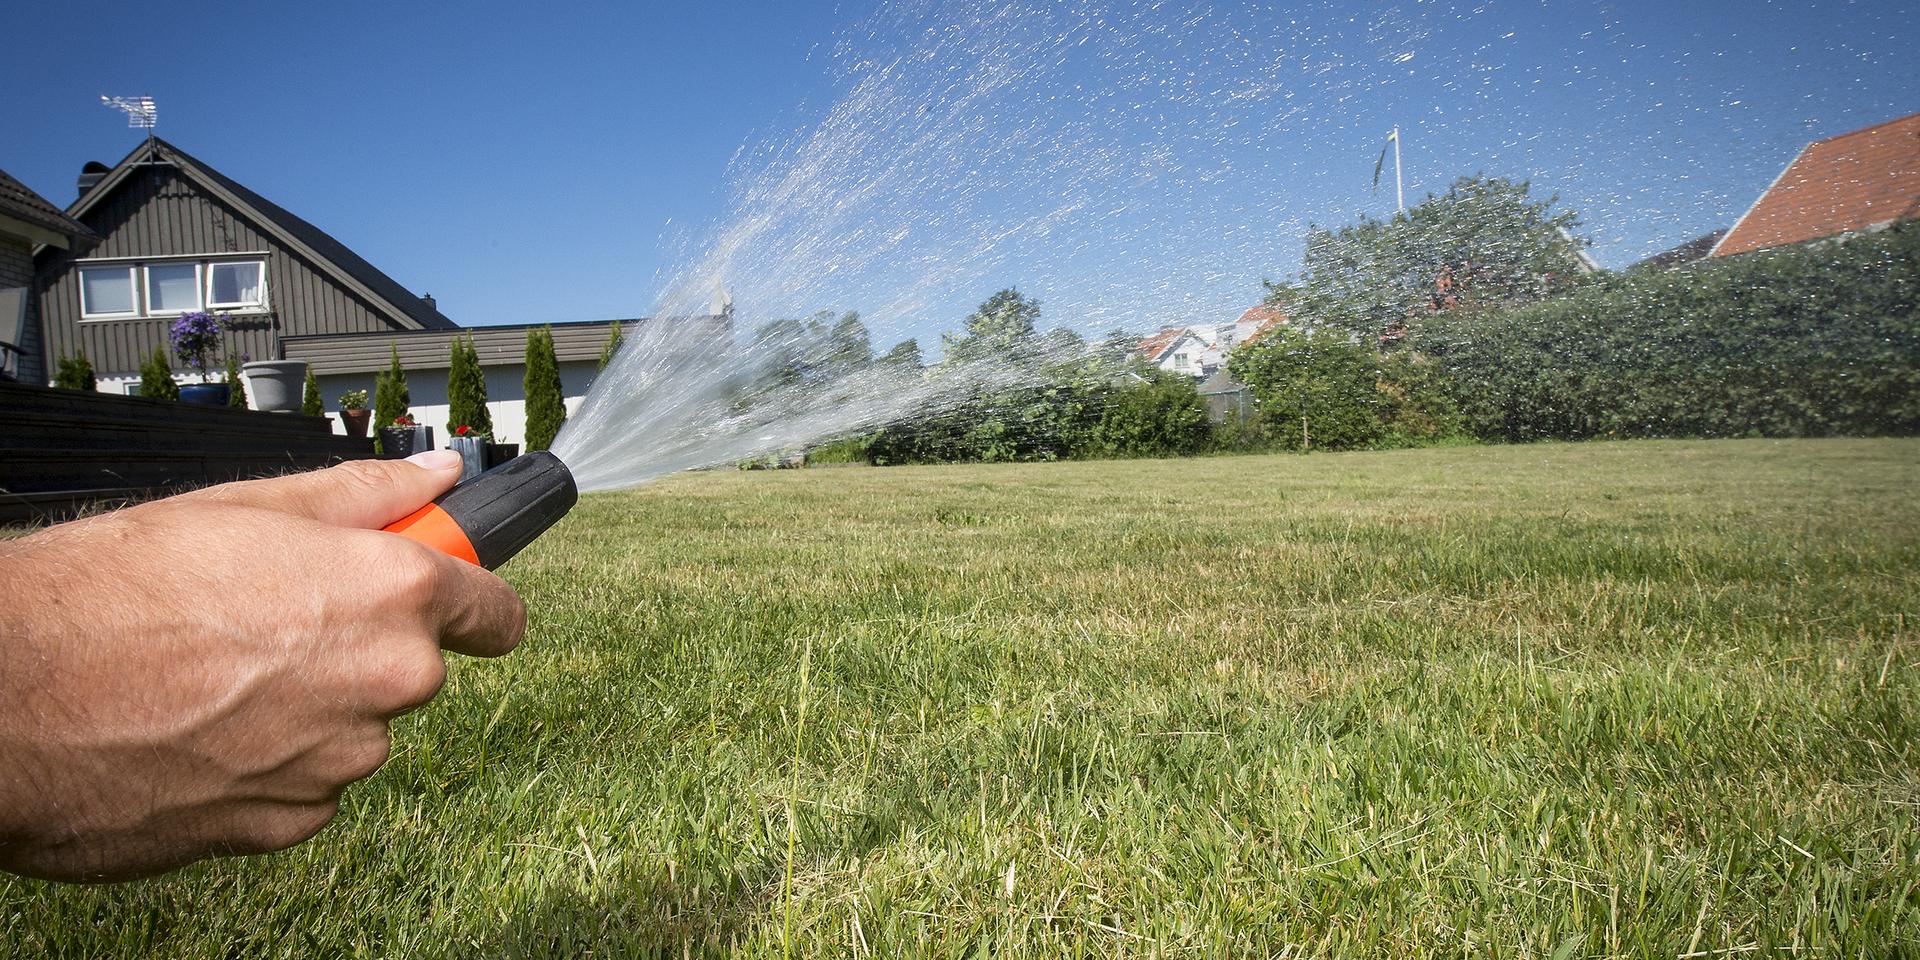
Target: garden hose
(490,518)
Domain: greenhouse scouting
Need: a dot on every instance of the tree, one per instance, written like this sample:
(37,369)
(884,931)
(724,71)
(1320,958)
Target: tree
(466,388)
(546,404)
(905,355)
(1002,328)
(74,373)
(390,395)
(310,403)
(615,337)
(156,377)
(236,388)
(849,346)
(1484,242)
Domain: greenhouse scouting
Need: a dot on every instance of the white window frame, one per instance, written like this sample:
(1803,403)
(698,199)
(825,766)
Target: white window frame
(206,295)
(136,268)
(133,291)
(146,288)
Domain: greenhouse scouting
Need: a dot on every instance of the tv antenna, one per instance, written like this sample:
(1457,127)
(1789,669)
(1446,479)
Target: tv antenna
(140,111)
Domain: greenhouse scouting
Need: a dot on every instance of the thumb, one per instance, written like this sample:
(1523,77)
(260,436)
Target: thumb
(359,493)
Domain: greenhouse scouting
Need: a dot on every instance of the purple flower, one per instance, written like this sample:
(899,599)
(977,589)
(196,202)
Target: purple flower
(197,338)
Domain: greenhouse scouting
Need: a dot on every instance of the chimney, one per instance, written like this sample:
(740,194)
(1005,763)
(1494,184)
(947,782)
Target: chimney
(427,298)
(91,174)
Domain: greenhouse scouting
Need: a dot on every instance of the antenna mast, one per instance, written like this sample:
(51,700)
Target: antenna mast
(140,111)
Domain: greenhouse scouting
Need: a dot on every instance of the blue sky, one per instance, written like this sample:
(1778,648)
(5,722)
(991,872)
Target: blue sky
(535,163)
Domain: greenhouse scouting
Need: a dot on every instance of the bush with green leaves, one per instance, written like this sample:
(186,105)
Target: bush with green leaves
(466,389)
(236,387)
(1815,340)
(1324,389)
(546,403)
(310,403)
(615,337)
(1159,415)
(391,398)
(353,400)
(75,372)
(156,377)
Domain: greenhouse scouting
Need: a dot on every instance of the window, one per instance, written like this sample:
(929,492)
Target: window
(1179,359)
(173,287)
(237,284)
(117,291)
(106,292)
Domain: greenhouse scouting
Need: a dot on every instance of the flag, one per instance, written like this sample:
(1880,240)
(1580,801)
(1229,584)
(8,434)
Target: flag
(1377,164)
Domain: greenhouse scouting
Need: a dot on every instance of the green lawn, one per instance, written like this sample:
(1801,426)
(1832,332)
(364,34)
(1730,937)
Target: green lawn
(1626,699)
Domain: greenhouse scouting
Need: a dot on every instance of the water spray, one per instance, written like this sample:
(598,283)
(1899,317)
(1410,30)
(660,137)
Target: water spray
(490,518)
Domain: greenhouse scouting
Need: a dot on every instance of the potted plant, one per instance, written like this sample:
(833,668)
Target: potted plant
(404,438)
(471,444)
(354,413)
(276,385)
(197,339)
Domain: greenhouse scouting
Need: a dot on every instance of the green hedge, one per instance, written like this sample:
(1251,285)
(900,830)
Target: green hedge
(1806,341)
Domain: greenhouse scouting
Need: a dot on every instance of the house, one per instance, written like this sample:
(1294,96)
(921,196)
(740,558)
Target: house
(1199,351)
(27,220)
(1690,252)
(176,235)
(1854,183)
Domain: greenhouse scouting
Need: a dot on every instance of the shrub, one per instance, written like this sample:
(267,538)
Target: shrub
(466,389)
(236,388)
(156,377)
(310,402)
(546,404)
(74,373)
(391,398)
(353,400)
(1805,341)
(1318,388)
(615,337)
(1160,416)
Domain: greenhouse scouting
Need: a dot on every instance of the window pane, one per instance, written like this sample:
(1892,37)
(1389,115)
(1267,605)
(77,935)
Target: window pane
(236,284)
(106,290)
(173,287)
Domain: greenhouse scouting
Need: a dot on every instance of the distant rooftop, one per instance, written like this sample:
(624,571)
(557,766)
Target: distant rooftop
(1857,181)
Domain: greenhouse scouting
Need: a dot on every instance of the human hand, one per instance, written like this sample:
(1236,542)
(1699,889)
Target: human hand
(203,675)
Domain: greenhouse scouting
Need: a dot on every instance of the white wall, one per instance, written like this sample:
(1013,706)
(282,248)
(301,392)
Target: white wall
(428,390)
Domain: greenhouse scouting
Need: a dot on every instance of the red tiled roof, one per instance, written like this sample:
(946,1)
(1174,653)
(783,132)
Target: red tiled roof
(1850,182)
(1267,315)
(1152,347)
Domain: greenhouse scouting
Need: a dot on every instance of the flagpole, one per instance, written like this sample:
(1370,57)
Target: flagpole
(1399,191)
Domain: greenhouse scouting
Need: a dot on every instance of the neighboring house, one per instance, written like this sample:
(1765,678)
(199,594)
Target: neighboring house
(348,361)
(1200,351)
(176,235)
(27,221)
(1854,183)
(1690,252)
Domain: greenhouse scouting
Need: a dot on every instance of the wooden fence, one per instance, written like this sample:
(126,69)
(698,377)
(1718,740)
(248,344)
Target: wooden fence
(66,451)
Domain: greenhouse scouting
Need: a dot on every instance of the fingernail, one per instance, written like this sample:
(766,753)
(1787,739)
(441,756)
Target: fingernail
(435,459)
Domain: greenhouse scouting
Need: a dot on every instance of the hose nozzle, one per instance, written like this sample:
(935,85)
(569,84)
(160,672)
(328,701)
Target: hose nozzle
(490,518)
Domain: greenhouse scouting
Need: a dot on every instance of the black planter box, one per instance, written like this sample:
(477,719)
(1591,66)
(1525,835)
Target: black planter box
(399,443)
(499,453)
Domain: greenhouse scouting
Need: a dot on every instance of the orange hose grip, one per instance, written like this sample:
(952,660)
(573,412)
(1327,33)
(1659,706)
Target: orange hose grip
(436,528)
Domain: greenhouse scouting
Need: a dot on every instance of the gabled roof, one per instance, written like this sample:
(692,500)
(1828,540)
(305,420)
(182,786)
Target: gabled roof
(1856,181)
(330,255)
(1265,318)
(19,202)
(1697,248)
(1156,346)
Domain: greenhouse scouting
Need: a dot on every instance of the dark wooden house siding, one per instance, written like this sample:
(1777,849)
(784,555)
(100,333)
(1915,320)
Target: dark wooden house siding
(157,212)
